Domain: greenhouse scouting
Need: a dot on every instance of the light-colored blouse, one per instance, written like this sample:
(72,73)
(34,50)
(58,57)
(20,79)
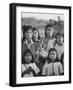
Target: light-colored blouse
(52,69)
(24,67)
(60,50)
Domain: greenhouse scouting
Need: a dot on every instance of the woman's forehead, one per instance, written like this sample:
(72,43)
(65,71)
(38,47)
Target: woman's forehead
(59,36)
(53,51)
(29,30)
(35,31)
(28,53)
(49,28)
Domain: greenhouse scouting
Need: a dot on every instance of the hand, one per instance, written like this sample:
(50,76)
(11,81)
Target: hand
(27,71)
(30,69)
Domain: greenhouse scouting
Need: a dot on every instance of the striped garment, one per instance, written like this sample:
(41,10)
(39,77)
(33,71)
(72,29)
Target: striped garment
(52,69)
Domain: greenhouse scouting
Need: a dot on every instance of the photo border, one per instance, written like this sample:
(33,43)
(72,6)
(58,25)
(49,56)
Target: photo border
(12,64)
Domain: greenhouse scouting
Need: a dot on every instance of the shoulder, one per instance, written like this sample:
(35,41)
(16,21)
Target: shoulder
(22,65)
(23,68)
(53,39)
(46,65)
(58,63)
(33,64)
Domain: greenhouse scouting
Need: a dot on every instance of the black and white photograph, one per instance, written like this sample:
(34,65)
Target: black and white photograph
(42,44)
(40,40)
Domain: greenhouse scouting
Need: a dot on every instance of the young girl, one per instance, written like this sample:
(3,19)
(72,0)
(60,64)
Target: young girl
(36,44)
(36,36)
(27,38)
(48,42)
(59,44)
(54,66)
(29,68)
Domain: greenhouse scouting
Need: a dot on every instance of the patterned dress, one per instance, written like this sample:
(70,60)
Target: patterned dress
(52,69)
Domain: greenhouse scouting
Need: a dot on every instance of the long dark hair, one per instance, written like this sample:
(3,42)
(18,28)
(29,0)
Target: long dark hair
(23,57)
(48,25)
(25,28)
(59,34)
(35,29)
(48,58)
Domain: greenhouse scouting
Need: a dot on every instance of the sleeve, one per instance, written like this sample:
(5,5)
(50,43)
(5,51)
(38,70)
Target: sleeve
(44,70)
(23,68)
(24,47)
(61,68)
(36,69)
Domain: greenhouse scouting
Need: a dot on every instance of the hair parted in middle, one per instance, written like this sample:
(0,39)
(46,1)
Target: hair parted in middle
(25,53)
(48,25)
(52,49)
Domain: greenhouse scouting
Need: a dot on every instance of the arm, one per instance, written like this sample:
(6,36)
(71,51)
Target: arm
(25,72)
(61,71)
(31,70)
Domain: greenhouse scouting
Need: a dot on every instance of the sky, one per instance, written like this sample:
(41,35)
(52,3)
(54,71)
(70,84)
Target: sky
(43,16)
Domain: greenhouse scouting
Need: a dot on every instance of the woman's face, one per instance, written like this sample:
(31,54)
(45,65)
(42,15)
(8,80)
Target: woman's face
(28,57)
(52,55)
(49,31)
(35,34)
(60,39)
(28,34)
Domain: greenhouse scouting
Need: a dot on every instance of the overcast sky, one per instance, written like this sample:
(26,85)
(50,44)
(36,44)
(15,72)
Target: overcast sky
(46,16)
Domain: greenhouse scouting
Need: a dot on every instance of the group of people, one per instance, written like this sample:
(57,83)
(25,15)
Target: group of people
(42,56)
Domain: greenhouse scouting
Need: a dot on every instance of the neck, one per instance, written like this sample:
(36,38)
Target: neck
(60,44)
(49,37)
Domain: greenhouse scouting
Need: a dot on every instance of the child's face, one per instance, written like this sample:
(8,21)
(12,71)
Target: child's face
(28,57)
(49,31)
(35,34)
(52,55)
(59,39)
(28,34)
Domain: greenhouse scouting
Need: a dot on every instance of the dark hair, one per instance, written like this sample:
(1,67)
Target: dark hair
(52,49)
(59,34)
(27,51)
(62,59)
(35,29)
(25,28)
(49,25)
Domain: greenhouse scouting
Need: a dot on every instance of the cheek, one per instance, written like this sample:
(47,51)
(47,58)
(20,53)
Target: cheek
(31,57)
(58,40)
(61,39)
(50,56)
(47,32)
(30,34)
(55,56)
(25,58)
(26,34)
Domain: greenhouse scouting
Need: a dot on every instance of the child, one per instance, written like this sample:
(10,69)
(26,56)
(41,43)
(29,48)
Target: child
(54,66)
(29,68)
(48,42)
(36,40)
(59,44)
(36,44)
(27,38)
(35,37)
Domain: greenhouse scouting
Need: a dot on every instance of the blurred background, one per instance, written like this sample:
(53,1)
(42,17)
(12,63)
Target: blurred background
(58,23)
